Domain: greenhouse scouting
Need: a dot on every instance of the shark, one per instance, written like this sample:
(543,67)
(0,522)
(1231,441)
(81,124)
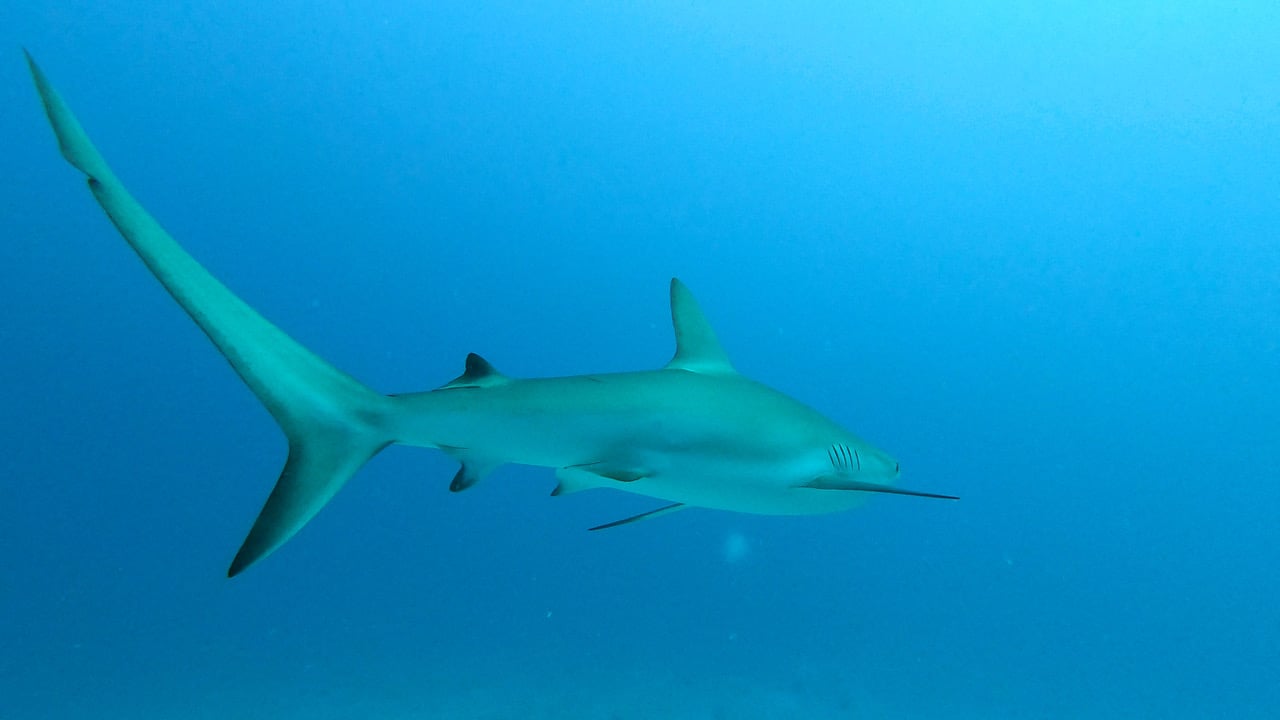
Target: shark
(693,433)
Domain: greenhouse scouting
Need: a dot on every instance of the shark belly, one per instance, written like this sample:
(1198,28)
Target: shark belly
(737,487)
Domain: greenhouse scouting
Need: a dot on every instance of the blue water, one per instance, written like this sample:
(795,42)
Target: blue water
(1032,251)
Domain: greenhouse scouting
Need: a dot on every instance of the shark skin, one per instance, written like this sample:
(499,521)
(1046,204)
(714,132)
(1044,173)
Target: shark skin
(694,433)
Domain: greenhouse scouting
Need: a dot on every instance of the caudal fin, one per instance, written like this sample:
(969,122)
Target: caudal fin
(333,422)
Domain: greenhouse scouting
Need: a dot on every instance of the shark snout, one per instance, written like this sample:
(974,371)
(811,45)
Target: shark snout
(886,466)
(862,468)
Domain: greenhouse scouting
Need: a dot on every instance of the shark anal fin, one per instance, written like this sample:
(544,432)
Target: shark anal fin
(642,516)
(471,473)
(464,478)
(475,467)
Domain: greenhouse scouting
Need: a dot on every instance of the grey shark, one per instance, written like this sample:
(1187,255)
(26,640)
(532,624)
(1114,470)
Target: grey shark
(694,433)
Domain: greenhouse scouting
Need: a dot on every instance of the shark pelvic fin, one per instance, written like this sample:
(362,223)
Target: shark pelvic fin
(612,471)
(642,516)
(334,424)
(574,479)
(697,349)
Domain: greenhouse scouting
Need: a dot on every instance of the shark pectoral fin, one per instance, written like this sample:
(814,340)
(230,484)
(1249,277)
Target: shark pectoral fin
(642,516)
(697,349)
(475,467)
(826,483)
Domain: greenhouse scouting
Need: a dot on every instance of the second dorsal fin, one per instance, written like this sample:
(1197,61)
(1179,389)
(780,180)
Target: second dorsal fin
(478,373)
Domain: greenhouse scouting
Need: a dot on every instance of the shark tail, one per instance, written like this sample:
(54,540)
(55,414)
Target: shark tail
(333,422)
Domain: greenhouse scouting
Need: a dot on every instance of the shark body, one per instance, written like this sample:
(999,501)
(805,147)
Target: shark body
(694,433)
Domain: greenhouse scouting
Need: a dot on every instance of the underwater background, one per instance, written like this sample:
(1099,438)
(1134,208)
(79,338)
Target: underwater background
(1030,249)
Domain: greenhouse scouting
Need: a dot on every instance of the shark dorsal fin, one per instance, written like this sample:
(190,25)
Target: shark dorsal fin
(478,373)
(697,349)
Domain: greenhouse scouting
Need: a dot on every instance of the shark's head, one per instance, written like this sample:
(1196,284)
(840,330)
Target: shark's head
(855,466)
(858,462)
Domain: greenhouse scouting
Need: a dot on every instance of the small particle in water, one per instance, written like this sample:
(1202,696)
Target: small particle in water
(735,547)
